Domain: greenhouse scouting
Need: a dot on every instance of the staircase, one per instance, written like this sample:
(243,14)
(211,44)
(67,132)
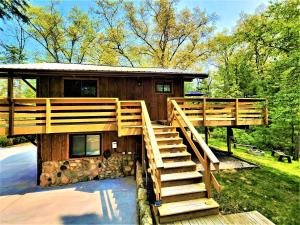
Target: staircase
(183,194)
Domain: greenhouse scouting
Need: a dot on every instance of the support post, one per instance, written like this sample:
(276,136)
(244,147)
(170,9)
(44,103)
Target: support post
(143,154)
(204,111)
(48,116)
(229,139)
(39,164)
(207,176)
(206,134)
(10,96)
(119,125)
(237,112)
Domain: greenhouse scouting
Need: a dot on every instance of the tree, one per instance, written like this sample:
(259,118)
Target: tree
(64,39)
(13,8)
(159,35)
(13,49)
(261,58)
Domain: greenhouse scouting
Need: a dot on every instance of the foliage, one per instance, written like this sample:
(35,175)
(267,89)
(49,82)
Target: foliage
(13,8)
(155,34)
(261,59)
(65,39)
(4,141)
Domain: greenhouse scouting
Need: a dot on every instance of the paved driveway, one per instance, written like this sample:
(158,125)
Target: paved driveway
(110,201)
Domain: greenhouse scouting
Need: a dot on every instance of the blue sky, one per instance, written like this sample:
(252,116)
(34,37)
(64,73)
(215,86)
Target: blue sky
(228,11)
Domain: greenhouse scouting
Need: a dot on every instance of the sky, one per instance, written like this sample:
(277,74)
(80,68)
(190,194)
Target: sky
(228,11)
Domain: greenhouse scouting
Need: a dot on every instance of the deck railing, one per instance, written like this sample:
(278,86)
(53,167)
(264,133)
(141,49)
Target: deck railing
(207,157)
(129,118)
(153,153)
(222,112)
(57,115)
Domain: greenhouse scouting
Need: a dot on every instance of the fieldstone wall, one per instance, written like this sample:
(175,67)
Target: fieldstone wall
(143,205)
(85,169)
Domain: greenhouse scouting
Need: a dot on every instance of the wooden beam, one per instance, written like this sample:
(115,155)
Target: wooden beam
(30,140)
(229,138)
(48,116)
(237,112)
(206,134)
(10,96)
(39,159)
(204,111)
(29,84)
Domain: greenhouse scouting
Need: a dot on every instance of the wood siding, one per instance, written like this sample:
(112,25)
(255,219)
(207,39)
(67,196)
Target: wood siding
(56,146)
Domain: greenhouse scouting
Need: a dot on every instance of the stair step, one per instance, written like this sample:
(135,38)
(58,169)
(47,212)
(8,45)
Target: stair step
(188,206)
(169,139)
(168,132)
(169,165)
(172,146)
(174,155)
(182,189)
(162,127)
(180,176)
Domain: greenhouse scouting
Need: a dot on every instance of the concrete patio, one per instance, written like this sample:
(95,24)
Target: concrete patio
(110,201)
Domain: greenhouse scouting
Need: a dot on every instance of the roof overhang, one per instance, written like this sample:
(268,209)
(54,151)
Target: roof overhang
(73,70)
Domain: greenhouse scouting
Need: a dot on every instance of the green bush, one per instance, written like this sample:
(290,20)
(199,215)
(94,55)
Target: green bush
(4,141)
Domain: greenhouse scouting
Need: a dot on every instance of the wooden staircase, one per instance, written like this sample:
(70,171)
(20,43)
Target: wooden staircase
(183,194)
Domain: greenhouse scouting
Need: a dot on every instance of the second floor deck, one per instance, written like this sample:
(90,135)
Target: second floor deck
(22,116)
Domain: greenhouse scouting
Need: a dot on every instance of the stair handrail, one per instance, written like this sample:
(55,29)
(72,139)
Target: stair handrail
(155,167)
(209,156)
(150,131)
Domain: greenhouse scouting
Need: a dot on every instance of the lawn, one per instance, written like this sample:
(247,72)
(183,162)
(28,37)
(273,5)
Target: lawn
(272,189)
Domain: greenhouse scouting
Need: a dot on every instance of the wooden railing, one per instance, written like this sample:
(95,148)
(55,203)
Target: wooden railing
(57,115)
(222,112)
(153,153)
(207,157)
(129,118)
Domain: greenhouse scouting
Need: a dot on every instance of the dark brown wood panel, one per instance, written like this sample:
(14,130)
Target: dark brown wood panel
(56,146)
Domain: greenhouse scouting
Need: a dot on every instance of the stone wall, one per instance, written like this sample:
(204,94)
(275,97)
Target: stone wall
(145,216)
(85,169)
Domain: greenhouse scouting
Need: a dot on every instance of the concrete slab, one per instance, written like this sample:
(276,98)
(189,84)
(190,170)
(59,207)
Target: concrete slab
(110,201)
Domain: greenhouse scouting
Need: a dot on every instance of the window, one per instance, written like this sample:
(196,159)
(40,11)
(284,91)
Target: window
(85,145)
(163,87)
(80,88)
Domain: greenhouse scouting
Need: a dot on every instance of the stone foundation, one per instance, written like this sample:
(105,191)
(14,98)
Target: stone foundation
(143,205)
(85,169)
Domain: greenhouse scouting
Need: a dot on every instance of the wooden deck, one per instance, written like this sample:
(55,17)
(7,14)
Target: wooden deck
(220,111)
(245,218)
(62,115)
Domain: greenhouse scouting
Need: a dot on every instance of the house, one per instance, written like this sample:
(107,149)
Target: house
(94,122)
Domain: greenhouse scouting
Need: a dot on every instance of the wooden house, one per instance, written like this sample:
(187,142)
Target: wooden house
(94,122)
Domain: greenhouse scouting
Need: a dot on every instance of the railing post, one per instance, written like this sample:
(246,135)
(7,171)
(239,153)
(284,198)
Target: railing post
(119,125)
(48,116)
(204,111)
(265,111)
(158,173)
(207,176)
(236,111)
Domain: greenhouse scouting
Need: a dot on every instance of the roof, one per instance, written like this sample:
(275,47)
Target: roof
(88,68)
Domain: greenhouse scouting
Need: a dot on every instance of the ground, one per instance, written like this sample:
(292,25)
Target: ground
(110,201)
(272,189)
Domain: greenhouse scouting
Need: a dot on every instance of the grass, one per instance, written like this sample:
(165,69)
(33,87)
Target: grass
(272,189)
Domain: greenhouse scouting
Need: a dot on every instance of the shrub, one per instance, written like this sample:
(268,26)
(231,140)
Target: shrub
(4,141)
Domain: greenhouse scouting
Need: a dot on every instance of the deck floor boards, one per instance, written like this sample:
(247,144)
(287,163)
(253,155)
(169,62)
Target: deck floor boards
(245,218)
